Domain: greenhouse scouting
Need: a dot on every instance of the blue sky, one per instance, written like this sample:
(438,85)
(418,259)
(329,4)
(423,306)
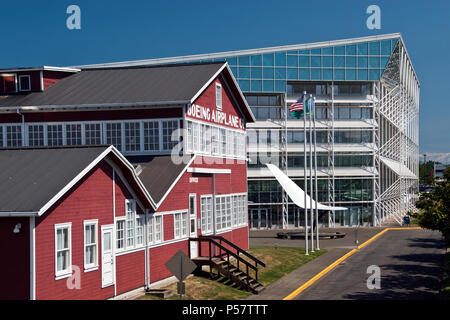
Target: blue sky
(34,33)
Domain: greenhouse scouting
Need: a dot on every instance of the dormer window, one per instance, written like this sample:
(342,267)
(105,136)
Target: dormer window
(218,96)
(24,83)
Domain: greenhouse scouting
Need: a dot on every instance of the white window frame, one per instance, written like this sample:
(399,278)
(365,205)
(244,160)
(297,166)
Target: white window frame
(215,140)
(123,239)
(218,96)
(128,220)
(180,230)
(161,229)
(94,265)
(59,274)
(20,83)
(206,214)
(139,230)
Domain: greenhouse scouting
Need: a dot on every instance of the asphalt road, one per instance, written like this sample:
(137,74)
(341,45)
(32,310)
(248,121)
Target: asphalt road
(410,263)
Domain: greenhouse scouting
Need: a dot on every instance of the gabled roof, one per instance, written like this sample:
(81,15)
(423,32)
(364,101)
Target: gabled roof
(33,179)
(146,85)
(159,173)
(174,84)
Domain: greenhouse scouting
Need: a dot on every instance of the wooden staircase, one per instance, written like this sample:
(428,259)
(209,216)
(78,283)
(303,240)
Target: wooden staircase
(220,250)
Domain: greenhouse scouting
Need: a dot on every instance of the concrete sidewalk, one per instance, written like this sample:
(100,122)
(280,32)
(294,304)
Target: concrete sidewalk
(336,249)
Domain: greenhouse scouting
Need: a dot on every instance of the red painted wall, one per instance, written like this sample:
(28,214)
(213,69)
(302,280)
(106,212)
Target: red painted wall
(15,264)
(90,199)
(51,77)
(229,107)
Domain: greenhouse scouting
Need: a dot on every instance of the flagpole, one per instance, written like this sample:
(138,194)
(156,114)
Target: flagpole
(310,175)
(304,171)
(315,174)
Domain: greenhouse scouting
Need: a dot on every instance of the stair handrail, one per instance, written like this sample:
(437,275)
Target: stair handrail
(231,244)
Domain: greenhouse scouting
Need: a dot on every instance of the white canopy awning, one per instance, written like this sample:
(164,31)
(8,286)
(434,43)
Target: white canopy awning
(296,194)
(398,168)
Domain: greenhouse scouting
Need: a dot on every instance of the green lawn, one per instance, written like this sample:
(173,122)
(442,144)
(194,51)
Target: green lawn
(279,262)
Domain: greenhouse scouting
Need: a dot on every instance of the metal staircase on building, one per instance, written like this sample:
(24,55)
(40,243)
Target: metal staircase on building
(228,260)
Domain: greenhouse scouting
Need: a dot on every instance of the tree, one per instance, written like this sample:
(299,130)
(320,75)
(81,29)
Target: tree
(425,172)
(434,208)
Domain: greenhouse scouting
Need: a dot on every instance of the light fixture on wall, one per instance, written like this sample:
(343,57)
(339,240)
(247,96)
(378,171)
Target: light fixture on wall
(17,228)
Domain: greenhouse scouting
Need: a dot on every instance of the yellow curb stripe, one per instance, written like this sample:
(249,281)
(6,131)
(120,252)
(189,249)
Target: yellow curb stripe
(307,284)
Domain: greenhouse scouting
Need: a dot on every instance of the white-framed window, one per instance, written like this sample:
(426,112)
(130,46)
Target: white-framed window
(55,134)
(24,83)
(218,213)
(73,134)
(13,135)
(230,142)
(130,217)
(36,135)
(223,141)
(120,234)
(218,96)
(207,138)
(63,249)
(169,134)
(1,136)
(195,136)
(150,229)
(235,212)
(189,136)
(158,229)
(215,140)
(151,135)
(206,214)
(202,138)
(155,229)
(132,136)
(180,225)
(93,133)
(139,230)
(114,134)
(90,244)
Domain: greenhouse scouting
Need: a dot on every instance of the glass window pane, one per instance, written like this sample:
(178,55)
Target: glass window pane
(244,85)
(362,74)
(362,48)
(386,47)
(374,48)
(303,61)
(256,60)
(339,61)
(268,60)
(339,74)
(292,61)
(328,50)
(303,74)
(316,51)
(280,73)
(315,74)
(304,52)
(339,50)
(243,60)
(363,62)
(256,85)
(327,61)
(350,74)
(244,72)
(268,85)
(374,74)
(327,74)
(232,61)
(350,49)
(292,73)
(268,73)
(374,62)
(280,59)
(256,73)
(280,85)
(350,61)
(384,61)
(315,61)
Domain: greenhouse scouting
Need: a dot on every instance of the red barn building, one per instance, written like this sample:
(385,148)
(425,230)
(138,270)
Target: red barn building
(106,173)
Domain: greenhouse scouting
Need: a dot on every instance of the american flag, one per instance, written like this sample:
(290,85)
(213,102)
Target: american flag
(297,106)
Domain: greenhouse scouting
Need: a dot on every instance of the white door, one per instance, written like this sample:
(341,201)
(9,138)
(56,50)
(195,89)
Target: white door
(193,224)
(107,256)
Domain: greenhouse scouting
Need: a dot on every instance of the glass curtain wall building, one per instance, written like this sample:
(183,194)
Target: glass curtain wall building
(367,111)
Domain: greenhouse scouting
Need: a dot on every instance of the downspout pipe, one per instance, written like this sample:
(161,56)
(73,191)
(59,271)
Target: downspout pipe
(23,126)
